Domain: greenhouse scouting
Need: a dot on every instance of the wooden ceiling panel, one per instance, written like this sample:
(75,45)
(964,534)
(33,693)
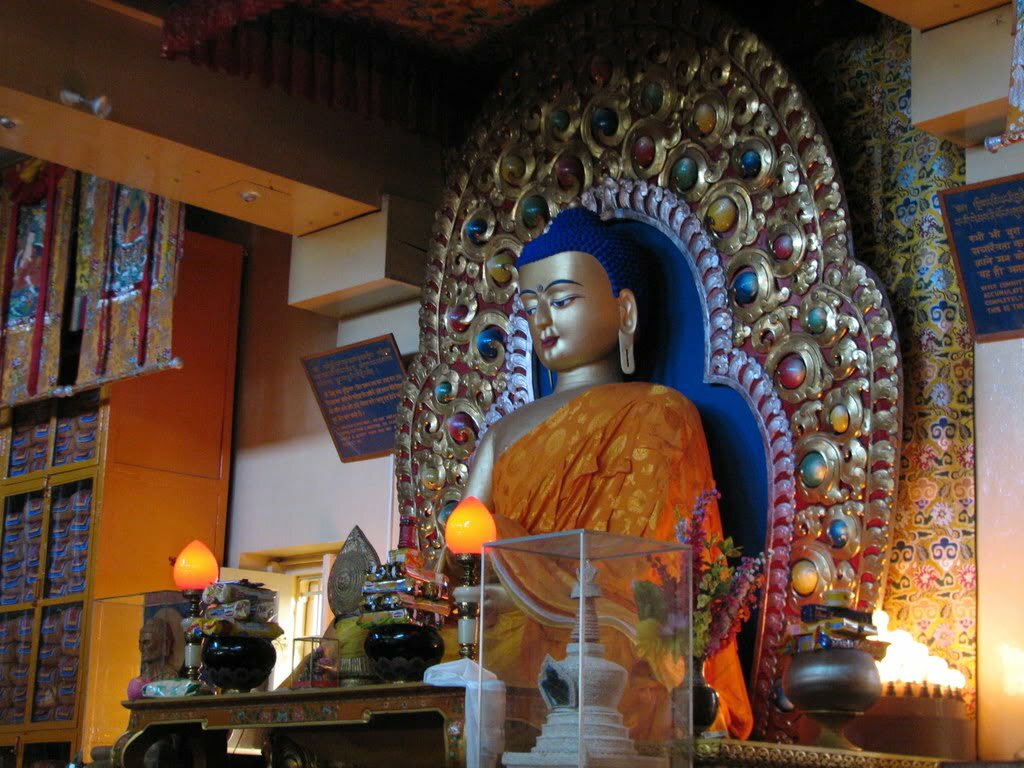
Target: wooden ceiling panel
(927,14)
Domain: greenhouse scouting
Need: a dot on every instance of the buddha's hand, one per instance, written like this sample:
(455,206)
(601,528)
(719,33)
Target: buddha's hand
(496,600)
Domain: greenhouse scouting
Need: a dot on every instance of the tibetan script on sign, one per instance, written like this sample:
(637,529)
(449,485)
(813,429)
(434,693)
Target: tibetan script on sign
(358,387)
(985,226)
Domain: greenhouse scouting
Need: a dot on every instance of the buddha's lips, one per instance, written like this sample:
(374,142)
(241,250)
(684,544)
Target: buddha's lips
(549,342)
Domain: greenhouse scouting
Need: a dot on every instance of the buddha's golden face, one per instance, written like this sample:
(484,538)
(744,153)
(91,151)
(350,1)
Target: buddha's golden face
(574,317)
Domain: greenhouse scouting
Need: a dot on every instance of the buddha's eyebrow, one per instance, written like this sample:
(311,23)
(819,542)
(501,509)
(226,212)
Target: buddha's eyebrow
(541,288)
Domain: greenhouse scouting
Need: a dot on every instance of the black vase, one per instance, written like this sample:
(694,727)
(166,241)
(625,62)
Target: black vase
(238,663)
(705,700)
(402,652)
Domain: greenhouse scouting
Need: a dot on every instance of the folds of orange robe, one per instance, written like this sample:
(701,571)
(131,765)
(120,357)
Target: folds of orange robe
(625,458)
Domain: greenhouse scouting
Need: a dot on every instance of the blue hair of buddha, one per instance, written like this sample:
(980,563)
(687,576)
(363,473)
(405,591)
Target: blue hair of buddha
(578,229)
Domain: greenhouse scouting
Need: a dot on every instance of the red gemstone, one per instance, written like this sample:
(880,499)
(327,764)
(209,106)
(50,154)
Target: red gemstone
(792,371)
(601,70)
(643,151)
(782,246)
(569,172)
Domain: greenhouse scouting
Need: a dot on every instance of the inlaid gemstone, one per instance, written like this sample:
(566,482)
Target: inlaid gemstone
(684,174)
(462,428)
(600,69)
(559,120)
(457,317)
(782,246)
(444,392)
(750,163)
(431,477)
(722,214)
(804,577)
(535,211)
(644,151)
(652,96)
(476,230)
(569,172)
(604,122)
(839,533)
(705,118)
(744,287)
(513,168)
(490,342)
(446,512)
(813,469)
(499,266)
(839,419)
(817,320)
(792,371)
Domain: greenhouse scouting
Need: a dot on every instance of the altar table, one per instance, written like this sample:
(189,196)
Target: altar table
(408,724)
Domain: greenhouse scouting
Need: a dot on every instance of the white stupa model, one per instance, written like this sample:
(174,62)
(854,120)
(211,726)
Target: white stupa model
(604,742)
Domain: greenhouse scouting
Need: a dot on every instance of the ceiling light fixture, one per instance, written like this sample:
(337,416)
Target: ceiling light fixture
(249,195)
(100,106)
(6,122)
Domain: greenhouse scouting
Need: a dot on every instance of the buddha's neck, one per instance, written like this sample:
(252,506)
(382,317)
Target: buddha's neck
(594,374)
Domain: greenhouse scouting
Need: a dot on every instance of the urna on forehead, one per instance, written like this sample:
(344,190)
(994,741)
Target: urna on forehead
(578,229)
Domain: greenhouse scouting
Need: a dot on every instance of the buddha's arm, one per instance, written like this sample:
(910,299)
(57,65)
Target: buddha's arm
(479,482)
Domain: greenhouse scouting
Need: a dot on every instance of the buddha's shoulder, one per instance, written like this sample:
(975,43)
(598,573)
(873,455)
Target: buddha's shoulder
(654,396)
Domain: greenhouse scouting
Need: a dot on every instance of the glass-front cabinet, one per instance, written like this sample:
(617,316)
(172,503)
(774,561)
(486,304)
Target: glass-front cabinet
(48,499)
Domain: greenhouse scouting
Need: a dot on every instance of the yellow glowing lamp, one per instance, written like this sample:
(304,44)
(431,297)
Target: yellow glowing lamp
(470,526)
(195,567)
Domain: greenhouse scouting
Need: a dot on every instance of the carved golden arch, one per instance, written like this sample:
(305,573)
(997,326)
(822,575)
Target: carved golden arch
(669,113)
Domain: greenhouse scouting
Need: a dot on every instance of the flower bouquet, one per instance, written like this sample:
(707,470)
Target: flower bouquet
(721,599)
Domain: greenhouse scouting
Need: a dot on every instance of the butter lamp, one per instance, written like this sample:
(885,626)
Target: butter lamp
(469,527)
(195,568)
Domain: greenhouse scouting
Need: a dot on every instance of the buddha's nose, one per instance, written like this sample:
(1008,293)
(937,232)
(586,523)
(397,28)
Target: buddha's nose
(542,317)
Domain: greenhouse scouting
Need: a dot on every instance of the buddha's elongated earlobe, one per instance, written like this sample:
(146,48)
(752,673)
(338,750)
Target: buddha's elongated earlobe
(627,330)
(627,360)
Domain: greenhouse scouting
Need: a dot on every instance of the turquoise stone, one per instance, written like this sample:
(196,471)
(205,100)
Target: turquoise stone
(652,96)
(744,287)
(604,122)
(839,533)
(559,120)
(792,371)
(443,392)
(489,342)
(750,163)
(813,469)
(684,174)
(535,211)
(817,320)
(476,230)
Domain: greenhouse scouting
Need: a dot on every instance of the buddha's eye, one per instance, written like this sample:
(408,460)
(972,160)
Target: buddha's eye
(565,301)
(530,309)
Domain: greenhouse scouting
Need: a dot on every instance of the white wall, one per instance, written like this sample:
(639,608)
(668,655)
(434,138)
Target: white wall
(289,488)
(998,391)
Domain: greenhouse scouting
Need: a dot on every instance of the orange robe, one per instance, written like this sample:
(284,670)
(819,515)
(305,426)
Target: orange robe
(624,458)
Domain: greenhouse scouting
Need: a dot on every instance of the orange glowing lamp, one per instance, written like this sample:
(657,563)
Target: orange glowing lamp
(470,526)
(195,568)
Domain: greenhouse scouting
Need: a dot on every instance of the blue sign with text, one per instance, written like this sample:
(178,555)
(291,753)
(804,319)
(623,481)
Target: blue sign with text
(358,388)
(985,227)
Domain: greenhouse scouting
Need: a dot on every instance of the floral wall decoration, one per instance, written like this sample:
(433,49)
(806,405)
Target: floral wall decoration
(893,173)
(88,280)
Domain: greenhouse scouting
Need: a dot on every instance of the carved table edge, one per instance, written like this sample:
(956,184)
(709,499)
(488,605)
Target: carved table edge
(768,755)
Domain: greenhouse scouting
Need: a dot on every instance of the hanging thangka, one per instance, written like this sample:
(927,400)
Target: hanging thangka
(122,277)
(129,243)
(36,223)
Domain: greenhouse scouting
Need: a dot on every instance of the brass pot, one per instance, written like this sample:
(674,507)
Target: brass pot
(832,687)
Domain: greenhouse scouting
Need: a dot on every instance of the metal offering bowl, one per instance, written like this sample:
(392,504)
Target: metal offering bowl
(832,687)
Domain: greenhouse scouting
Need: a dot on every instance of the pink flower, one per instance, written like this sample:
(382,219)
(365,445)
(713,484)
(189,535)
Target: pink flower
(925,577)
(967,574)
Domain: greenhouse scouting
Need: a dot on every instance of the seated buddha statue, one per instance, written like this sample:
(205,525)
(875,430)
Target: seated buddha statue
(599,452)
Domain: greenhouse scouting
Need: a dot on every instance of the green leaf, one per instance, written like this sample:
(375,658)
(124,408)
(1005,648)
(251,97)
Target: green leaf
(650,603)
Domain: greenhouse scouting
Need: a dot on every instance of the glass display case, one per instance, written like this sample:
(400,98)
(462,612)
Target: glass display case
(584,653)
